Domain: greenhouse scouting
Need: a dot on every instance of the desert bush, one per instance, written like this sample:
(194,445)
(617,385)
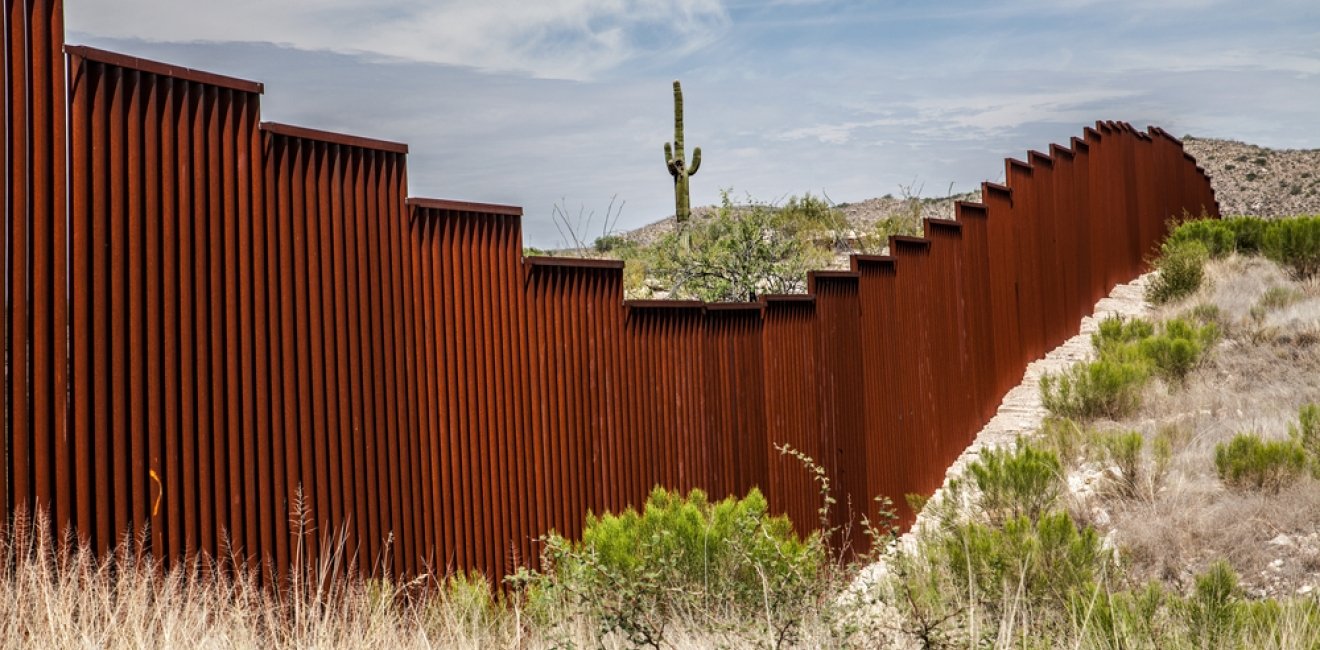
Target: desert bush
(1214,615)
(633,573)
(1020,482)
(1295,244)
(1276,298)
(1120,451)
(1247,233)
(1128,352)
(739,253)
(969,581)
(1178,348)
(1210,611)
(1106,387)
(1180,270)
(1306,433)
(1066,438)
(1249,463)
(1216,236)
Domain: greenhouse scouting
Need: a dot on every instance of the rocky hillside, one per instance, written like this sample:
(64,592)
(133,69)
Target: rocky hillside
(1258,181)
(1247,179)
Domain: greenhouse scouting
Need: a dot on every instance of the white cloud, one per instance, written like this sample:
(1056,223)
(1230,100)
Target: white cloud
(567,39)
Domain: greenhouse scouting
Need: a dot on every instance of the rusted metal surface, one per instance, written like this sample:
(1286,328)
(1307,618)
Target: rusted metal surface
(269,353)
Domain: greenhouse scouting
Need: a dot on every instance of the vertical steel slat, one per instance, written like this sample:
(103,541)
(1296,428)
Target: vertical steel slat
(314,193)
(154,334)
(136,428)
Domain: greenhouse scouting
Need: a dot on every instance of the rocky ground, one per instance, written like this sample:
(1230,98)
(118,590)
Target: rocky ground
(1259,181)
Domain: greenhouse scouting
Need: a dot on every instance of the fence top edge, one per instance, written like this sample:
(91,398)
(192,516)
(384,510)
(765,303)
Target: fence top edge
(1079,145)
(786,298)
(974,208)
(952,225)
(988,188)
(464,206)
(857,261)
(546,261)
(1039,158)
(904,241)
(664,304)
(305,133)
(734,306)
(1014,163)
(149,66)
(832,274)
(1060,151)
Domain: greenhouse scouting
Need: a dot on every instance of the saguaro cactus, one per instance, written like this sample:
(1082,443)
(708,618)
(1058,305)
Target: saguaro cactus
(674,160)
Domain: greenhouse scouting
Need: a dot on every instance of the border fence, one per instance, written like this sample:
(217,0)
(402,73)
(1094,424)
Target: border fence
(243,338)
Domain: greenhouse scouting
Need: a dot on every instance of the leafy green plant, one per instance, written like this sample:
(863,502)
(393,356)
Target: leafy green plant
(1106,387)
(1216,236)
(1178,348)
(1306,433)
(1121,452)
(1038,566)
(634,573)
(1248,463)
(1295,244)
(1180,270)
(1210,611)
(1247,233)
(739,253)
(1020,482)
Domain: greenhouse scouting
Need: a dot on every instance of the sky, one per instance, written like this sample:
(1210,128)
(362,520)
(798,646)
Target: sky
(567,103)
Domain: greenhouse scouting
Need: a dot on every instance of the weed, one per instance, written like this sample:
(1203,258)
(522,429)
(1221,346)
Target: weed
(1019,482)
(1295,244)
(1180,271)
(1249,463)
(1121,451)
(1306,433)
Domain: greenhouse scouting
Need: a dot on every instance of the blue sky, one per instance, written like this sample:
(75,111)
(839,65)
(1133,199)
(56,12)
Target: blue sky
(569,101)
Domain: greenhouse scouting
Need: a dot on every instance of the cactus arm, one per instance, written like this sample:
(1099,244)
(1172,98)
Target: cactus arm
(669,160)
(678,118)
(696,161)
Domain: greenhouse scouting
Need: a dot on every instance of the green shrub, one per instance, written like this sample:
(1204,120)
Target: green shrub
(1066,438)
(1216,236)
(1040,566)
(1278,298)
(740,253)
(633,573)
(1295,244)
(1210,612)
(1180,270)
(1121,451)
(1019,482)
(1107,387)
(1249,463)
(1178,348)
(1306,433)
(1247,233)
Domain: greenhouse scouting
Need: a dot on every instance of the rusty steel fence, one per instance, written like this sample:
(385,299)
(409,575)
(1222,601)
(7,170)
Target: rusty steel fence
(242,339)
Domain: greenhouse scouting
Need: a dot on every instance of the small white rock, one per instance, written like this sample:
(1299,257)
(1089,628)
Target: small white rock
(1277,564)
(1281,540)
(1304,590)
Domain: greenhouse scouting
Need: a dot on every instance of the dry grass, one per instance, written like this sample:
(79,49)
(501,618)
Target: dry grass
(1265,368)
(57,595)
